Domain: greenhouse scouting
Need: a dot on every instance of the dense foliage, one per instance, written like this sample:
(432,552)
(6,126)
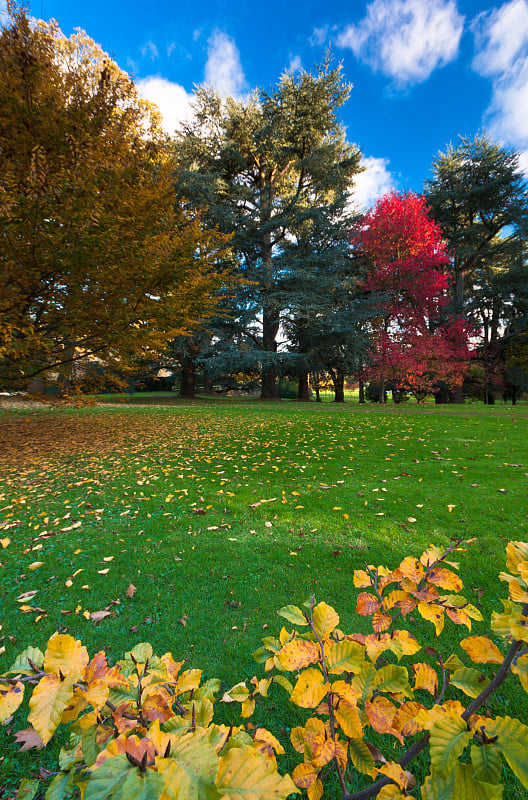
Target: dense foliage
(144,727)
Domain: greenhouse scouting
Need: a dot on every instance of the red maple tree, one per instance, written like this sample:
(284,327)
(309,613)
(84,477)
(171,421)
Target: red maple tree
(415,343)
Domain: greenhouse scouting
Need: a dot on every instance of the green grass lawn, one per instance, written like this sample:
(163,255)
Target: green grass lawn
(219,513)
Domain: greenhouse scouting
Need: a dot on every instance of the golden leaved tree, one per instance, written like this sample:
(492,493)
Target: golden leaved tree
(96,254)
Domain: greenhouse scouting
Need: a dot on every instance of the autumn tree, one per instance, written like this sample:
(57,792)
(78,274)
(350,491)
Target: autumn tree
(97,256)
(415,344)
(261,167)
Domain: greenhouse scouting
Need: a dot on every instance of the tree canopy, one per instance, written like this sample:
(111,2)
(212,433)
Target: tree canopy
(97,255)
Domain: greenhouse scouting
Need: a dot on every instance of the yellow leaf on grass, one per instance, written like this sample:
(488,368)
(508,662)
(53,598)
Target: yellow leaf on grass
(482,650)
(304,775)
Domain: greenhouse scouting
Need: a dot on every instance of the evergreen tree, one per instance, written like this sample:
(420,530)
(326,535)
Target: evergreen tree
(259,167)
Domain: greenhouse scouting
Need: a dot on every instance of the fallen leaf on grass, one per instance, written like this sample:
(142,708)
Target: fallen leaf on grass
(29,739)
(35,565)
(130,592)
(5,542)
(26,596)
(183,620)
(96,616)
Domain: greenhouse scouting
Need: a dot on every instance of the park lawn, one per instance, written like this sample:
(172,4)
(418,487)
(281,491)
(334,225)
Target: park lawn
(220,513)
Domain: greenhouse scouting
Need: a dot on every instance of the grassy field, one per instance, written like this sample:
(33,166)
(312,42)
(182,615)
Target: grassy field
(220,513)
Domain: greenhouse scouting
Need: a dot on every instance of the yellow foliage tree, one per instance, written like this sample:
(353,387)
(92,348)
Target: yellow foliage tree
(96,254)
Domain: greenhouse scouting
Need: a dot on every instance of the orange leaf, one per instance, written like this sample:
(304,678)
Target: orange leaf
(367,604)
(380,622)
(395,773)
(405,720)
(411,569)
(381,713)
(481,650)
(445,579)
(323,750)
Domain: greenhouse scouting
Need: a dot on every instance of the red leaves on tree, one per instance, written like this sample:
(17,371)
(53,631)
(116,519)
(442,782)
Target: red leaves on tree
(415,343)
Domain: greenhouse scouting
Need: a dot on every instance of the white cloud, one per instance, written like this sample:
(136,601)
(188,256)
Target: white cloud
(318,36)
(523,162)
(373,183)
(150,49)
(501,38)
(173,101)
(4,15)
(406,39)
(295,64)
(223,69)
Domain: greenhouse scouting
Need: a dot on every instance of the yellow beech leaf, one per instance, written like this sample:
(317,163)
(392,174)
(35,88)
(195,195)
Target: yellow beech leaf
(247,708)
(323,750)
(411,569)
(516,552)
(391,792)
(445,579)
(380,622)
(66,655)
(345,691)
(262,735)
(304,775)
(518,592)
(298,654)
(325,620)
(349,721)
(520,668)
(393,771)
(244,773)
(405,720)
(297,738)
(409,643)
(345,656)
(361,579)
(315,791)
(425,677)
(432,613)
(50,698)
(482,650)
(309,689)
(10,699)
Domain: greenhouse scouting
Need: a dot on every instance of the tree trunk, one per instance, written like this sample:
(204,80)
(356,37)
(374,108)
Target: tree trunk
(338,379)
(188,378)
(361,391)
(303,392)
(441,395)
(382,393)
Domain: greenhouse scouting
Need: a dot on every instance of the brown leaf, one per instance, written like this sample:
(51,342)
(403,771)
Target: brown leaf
(29,739)
(130,592)
(96,616)
(183,620)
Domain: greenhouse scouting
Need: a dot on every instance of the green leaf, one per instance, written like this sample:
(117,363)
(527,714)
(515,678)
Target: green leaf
(140,786)
(468,788)
(27,789)
(469,680)
(261,655)
(360,756)
(345,656)
(487,763)
(364,683)
(392,678)
(190,772)
(61,785)
(437,787)
(283,681)
(448,738)
(107,778)
(90,748)
(293,615)
(21,666)
(243,773)
(142,652)
(513,741)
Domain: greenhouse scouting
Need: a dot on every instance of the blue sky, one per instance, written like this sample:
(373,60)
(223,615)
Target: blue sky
(424,71)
